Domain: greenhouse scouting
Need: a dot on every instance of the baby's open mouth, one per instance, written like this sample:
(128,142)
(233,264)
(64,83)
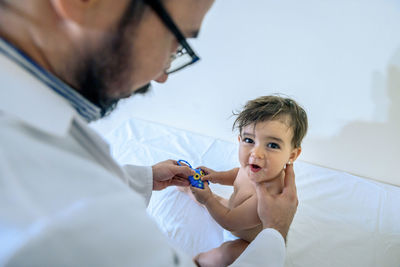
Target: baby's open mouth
(254,167)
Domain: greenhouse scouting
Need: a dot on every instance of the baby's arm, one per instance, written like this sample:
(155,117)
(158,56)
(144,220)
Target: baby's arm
(241,217)
(224,177)
(223,201)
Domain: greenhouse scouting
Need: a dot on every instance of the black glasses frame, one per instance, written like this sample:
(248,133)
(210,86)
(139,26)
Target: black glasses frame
(160,10)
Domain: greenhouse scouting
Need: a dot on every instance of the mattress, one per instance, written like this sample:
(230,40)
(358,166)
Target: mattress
(342,219)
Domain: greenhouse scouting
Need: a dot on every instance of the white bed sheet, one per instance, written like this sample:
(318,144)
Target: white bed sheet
(342,219)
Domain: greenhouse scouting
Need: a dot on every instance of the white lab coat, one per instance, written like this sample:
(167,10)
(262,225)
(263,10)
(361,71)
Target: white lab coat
(65,202)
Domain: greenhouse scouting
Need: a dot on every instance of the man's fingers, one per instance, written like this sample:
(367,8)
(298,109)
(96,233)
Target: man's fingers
(180,182)
(290,177)
(182,171)
(290,186)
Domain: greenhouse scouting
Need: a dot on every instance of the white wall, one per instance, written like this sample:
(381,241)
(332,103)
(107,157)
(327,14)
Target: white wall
(339,59)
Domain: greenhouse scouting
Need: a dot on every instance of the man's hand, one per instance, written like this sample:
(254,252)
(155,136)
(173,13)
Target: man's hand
(202,195)
(278,211)
(168,173)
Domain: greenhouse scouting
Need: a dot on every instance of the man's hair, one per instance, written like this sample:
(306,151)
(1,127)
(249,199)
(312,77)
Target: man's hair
(273,107)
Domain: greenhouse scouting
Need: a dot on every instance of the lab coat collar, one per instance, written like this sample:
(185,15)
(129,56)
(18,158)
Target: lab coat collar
(25,97)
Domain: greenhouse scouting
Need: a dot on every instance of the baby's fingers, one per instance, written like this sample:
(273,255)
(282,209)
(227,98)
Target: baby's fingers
(205,169)
(207,178)
(204,190)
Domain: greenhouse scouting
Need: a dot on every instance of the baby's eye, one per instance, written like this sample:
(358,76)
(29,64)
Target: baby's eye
(248,140)
(273,146)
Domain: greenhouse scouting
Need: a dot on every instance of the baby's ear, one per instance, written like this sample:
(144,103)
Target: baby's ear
(239,138)
(294,154)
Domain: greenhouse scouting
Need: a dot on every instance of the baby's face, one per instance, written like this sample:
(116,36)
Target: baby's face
(265,149)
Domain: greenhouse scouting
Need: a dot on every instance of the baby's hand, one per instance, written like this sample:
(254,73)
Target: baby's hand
(202,195)
(210,175)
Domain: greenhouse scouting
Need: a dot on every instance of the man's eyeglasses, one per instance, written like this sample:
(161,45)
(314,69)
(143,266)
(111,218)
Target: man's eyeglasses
(184,55)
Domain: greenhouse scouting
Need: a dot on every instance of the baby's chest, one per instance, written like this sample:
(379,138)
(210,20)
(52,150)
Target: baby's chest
(242,192)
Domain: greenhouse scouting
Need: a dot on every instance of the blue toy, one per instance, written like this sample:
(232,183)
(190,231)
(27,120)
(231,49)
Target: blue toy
(195,180)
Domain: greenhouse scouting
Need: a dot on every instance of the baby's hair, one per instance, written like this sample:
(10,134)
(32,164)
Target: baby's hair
(273,107)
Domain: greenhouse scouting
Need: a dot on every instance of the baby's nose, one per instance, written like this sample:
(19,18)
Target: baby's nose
(257,153)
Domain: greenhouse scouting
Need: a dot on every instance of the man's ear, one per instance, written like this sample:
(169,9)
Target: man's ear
(294,154)
(72,10)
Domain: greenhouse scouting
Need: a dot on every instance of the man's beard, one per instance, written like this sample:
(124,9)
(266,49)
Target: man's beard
(109,68)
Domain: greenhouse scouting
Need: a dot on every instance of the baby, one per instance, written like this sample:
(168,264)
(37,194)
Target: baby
(271,129)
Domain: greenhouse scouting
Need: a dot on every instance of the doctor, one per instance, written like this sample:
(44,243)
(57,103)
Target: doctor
(63,199)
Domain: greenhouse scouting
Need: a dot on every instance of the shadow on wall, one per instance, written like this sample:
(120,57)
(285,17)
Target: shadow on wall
(369,149)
